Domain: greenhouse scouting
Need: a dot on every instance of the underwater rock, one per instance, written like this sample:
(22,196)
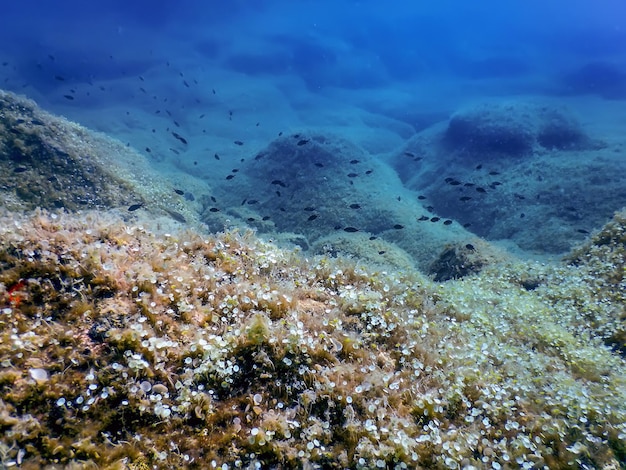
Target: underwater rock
(603,78)
(49,162)
(527,173)
(496,130)
(320,185)
(603,255)
(125,347)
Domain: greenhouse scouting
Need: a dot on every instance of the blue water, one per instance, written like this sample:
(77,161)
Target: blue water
(375,73)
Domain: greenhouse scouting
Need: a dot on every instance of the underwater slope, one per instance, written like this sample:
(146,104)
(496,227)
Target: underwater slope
(128,343)
(124,347)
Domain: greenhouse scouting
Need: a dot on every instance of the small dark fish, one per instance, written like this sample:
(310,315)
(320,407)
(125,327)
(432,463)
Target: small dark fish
(309,208)
(201,116)
(454,183)
(519,196)
(481,190)
(398,227)
(494,173)
(465,198)
(238,142)
(352,175)
(409,154)
(369,172)
(522,215)
(278,194)
(354,162)
(279,183)
(355,206)
(213,199)
(350,229)
(495,183)
(479,167)
(337,227)
(185,83)
(251,219)
(230,177)
(37,122)
(435,219)
(216,156)
(213,90)
(312,217)
(148,150)
(234,170)
(59,78)
(176,123)
(423,218)
(399,198)
(467,225)
(141,78)
(175,151)
(214,209)
(253,201)
(319,165)
(421,198)
(280,134)
(20,169)
(244,202)
(179,137)
(381,252)
(469,185)
(267,217)
(68,97)
(373,237)
(470,247)
(430,209)
(143,90)
(180,192)
(302,142)
(580,230)
(177,216)
(134,207)
(447,222)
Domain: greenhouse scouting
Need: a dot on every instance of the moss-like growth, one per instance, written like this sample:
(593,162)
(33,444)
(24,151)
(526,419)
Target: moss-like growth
(123,347)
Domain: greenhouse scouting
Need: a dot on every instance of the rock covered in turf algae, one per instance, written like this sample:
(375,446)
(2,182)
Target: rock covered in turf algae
(339,198)
(603,256)
(195,351)
(49,162)
(525,173)
(513,129)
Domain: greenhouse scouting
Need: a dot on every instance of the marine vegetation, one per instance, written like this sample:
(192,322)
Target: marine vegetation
(125,347)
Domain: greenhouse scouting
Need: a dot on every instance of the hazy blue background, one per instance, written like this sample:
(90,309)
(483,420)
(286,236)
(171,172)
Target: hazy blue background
(372,71)
(201,87)
(531,45)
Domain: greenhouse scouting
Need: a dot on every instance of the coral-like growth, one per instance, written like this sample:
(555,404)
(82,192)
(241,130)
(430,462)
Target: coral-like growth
(123,347)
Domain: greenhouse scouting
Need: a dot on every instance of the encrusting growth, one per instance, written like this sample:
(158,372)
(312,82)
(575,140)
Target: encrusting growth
(123,347)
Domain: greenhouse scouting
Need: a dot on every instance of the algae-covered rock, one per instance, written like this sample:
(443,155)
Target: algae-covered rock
(125,347)
(322,187)
(528,173)
(493,130)
(603,256)
(49,162)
